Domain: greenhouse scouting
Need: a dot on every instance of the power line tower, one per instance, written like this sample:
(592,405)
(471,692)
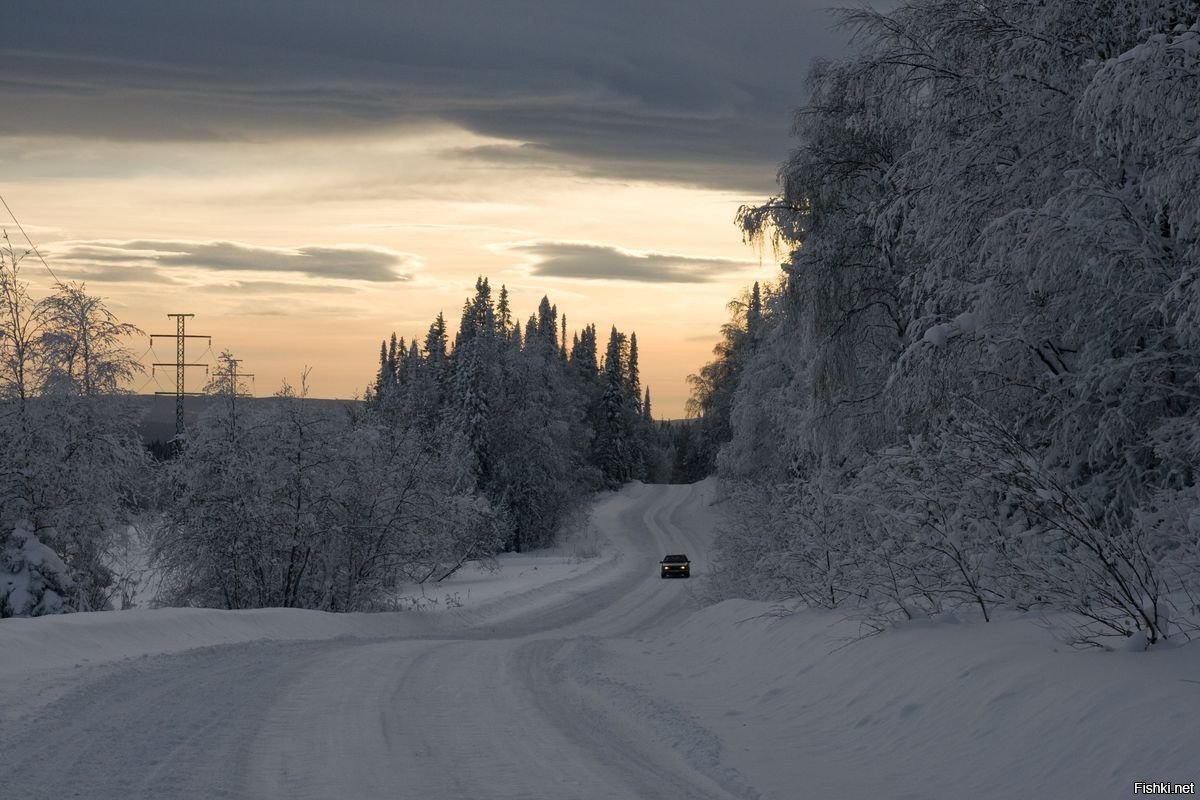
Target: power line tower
(180,364)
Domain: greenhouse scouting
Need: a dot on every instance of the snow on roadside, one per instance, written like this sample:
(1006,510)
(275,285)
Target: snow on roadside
(71,640)
(476,584)
(513,574)
(925,710)
(522,582)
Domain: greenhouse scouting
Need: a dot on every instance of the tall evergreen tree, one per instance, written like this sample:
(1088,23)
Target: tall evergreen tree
(547,324)
(754,314)
(504,317)
(435,340)
(583,353)
(612,440)
(476,375)
(633,380)
(531,331)
(383,375)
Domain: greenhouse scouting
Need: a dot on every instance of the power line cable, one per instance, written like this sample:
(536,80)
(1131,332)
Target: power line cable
(32,246)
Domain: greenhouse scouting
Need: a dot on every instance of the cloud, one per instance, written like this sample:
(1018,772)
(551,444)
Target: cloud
(685,91)
(274,288)
(108,273)
(586,261)
(436,226)
(153,259)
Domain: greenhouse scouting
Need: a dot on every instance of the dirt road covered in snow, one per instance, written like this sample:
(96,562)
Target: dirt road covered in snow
(504,701)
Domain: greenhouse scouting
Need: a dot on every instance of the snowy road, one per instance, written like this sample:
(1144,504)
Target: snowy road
(505,703)
(594,679)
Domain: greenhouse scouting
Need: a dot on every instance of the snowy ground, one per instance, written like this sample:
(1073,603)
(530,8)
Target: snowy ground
(562,677)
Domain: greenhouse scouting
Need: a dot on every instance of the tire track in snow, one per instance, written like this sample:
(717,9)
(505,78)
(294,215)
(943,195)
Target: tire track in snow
(158,727)
(516,706)
(658,750)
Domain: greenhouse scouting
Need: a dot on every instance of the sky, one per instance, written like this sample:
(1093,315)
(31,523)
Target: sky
(307,177)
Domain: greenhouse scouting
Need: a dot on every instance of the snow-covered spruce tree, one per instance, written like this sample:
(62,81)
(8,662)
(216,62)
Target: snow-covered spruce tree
(476,367)
(542,436)
(71,463)
(985,346)
(614,447)
(33,580)
(432,382)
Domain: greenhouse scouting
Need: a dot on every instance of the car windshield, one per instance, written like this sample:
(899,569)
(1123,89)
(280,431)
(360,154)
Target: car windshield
(675,559)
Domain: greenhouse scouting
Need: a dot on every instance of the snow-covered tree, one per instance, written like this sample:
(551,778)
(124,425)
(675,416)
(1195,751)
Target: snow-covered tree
(981,362)
(72,467)
(530,410)
(34,581)
(715,385)
(283,502)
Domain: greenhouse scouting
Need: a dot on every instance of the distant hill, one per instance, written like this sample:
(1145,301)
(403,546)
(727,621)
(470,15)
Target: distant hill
(158,424)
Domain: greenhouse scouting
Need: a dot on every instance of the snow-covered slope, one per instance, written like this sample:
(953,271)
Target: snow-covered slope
(582,679)
(927,710)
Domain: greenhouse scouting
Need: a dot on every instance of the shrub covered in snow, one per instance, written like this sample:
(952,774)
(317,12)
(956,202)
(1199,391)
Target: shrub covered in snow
(33,579)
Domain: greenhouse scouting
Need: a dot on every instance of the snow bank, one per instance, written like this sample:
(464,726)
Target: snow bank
(523,582)
(924,710)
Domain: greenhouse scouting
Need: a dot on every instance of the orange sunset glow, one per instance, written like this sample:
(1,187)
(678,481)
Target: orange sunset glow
(306,197)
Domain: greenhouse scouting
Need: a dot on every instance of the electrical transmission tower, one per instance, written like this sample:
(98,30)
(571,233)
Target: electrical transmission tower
(180,364)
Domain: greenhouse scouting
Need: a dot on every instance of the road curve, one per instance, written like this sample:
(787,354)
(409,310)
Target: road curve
(510,707)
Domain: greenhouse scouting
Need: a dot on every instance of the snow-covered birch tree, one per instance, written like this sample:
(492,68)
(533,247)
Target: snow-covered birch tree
(72,467)
(983,350)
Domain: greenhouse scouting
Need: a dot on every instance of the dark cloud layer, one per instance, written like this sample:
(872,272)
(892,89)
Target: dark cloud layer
(687,91)
(602,262)
(152,260)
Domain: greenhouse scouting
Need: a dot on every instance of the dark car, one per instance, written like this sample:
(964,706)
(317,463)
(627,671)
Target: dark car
(675,566)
